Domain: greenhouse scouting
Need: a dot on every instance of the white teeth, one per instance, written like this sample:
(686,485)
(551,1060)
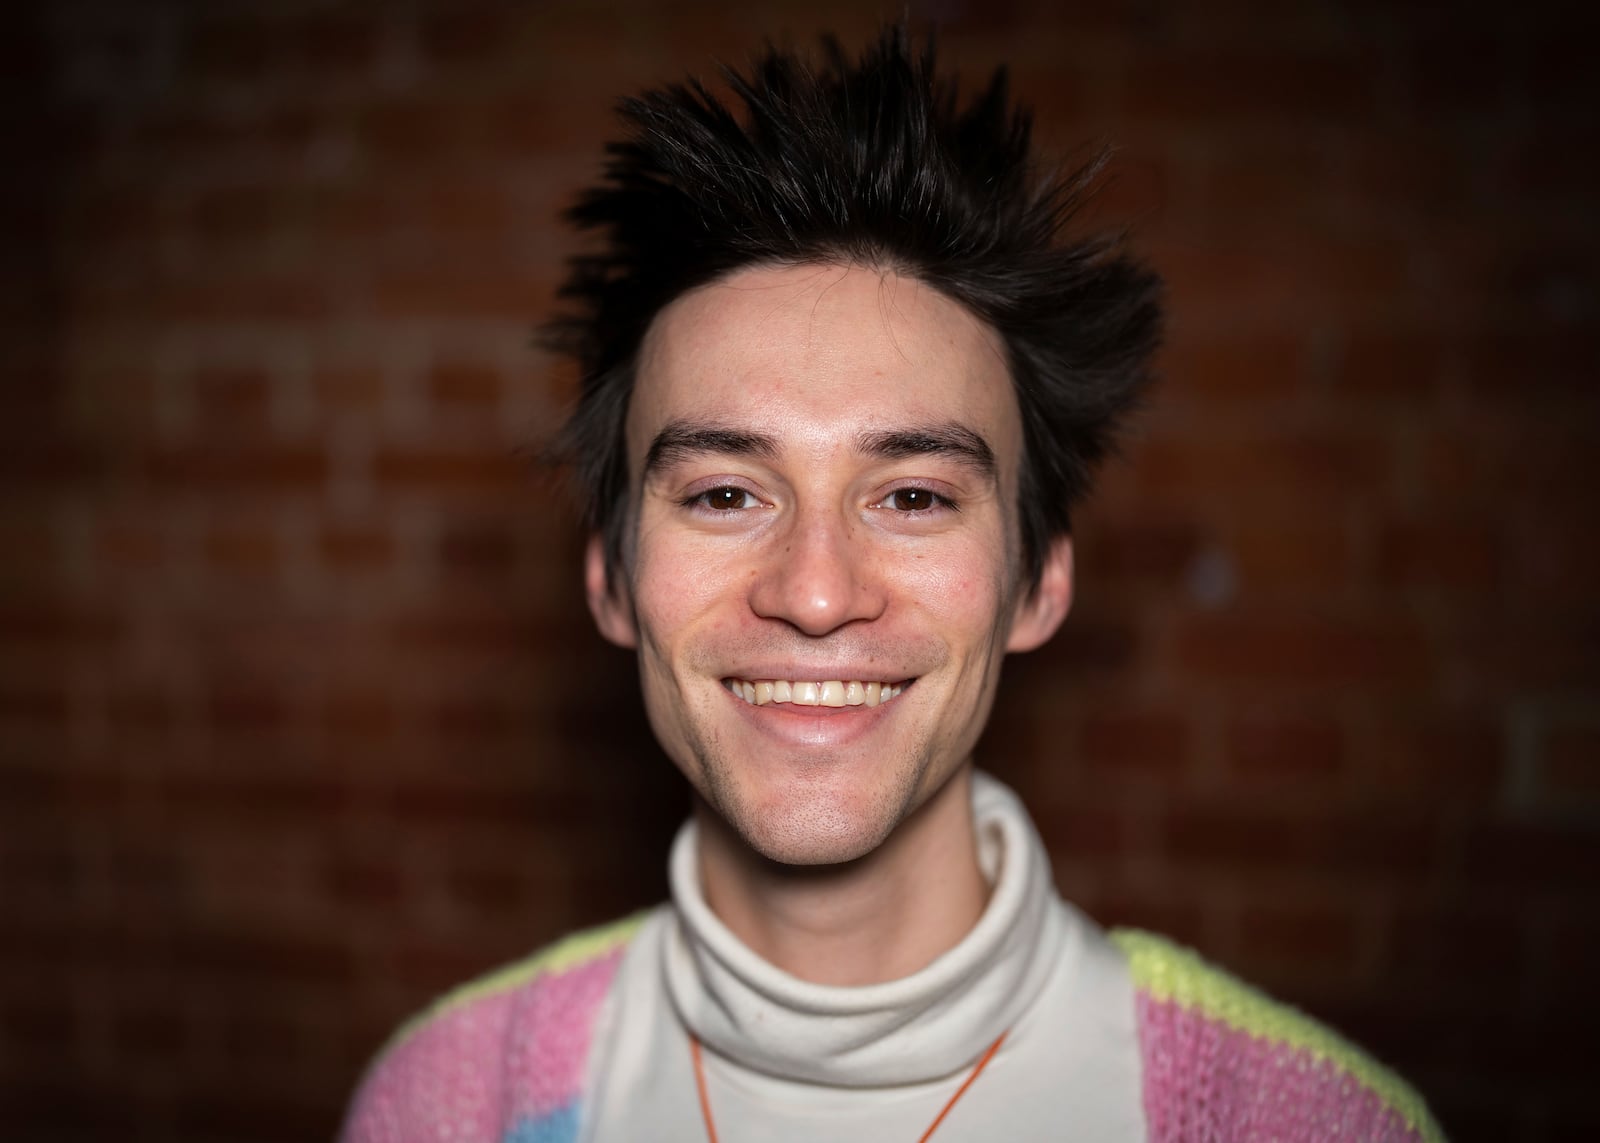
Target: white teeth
(828,692)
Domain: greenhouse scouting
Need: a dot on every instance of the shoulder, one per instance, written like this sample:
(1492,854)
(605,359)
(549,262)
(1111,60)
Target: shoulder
(1224,1060)
(506,1049)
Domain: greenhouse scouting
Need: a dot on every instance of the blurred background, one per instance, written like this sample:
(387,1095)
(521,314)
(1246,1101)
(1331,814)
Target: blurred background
(302,719)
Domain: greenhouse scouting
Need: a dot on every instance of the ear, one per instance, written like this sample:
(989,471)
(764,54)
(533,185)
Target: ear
(608,602)
(1040,613)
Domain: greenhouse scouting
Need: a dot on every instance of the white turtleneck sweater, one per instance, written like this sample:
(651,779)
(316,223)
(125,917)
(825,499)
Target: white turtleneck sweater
(786,1060)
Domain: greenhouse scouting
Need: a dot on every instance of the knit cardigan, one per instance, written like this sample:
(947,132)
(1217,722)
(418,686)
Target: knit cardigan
(503,1060)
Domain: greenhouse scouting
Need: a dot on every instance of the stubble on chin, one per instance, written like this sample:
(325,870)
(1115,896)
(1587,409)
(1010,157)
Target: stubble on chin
(814,814)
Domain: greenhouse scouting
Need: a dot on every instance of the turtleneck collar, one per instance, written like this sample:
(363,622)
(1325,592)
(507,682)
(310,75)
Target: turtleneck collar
(922,1027)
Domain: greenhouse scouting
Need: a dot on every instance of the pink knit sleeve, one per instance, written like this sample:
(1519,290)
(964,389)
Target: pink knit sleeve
(444,1080)
(1224,1063)
(501,1059)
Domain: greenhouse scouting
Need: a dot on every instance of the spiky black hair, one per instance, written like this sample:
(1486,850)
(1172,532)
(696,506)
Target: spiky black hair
(873,162)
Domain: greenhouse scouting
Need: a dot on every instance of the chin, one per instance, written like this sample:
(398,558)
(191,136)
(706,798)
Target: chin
(810,823)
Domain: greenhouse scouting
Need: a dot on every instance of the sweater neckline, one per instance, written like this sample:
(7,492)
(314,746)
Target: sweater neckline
(922,1027)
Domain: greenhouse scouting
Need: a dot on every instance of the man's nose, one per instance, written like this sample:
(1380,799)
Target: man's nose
(819,576)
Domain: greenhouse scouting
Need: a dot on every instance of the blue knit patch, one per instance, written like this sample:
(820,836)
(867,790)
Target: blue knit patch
(558,1126)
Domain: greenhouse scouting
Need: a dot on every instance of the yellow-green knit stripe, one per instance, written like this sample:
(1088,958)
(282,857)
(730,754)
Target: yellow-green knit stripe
(1170,972)
(569,952)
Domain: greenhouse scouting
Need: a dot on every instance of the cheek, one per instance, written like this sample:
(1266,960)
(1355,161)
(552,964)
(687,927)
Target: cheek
(961,590)
(676,585)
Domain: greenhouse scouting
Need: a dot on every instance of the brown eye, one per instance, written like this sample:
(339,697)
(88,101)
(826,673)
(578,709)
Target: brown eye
(913,499)
(725,499)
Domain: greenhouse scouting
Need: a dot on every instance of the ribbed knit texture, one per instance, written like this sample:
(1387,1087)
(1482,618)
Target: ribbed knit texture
(502,1061)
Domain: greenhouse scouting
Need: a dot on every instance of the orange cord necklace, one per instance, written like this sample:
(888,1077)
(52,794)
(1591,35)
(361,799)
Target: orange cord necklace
(711,1128)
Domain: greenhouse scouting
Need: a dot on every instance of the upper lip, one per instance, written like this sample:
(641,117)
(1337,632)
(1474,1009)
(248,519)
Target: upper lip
(822,674)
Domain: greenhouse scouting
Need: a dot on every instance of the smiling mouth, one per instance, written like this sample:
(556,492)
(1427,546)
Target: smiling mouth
(830,692)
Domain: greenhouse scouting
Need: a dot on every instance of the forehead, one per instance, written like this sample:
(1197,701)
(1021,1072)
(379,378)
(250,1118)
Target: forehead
(815,355)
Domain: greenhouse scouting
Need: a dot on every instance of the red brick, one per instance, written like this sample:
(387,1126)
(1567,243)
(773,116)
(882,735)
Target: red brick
(1441,555)
(1352,842)
(475,717)
(35,700)
(242,548)
(256,706)
(281,802)
(1251,281)
(1322,941)
(1276,553)
(1415,172)
(1555,556)
(468,35)
(1570,951)
(249,298)
(1439,951)
(1272,747)
(493,886)
(355,716)
(1392,365)
(246,214)
(130,545)
(1088,646)
(1139,552)
(43,461)
(456,472)
(479,549)
(354,547)
(1549,364)
(1505,655)
(234,51)
(1134,743)
(458,384)
(104,218)
(1569,761)
(347,388)
(337,46)
(1308,467)
(1434,757)
(1232,84)
(1078,831)
(1487,466)
(1453,72)
(1549,165)
(207,468)
(1522,855)
(260,955)
(155,1036)
(420,130)
(1268,179)
(436,293)
(59,624)
(141,708)
(1174,915)
(1268,367)
(364,883)
(1298,650)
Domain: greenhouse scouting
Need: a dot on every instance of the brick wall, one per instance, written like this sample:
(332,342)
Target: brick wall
(302,720)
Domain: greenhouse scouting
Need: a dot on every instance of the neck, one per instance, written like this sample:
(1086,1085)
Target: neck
(880,917)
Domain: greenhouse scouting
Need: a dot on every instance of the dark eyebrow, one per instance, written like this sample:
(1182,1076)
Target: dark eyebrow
(681,440)
(953,440)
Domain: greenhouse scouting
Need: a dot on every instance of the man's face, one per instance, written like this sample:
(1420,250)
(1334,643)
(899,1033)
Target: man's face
(824,463)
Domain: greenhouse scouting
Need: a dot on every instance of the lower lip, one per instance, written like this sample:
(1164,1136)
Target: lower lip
(813,725)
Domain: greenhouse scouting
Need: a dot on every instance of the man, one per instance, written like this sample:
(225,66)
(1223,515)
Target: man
(842,383)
